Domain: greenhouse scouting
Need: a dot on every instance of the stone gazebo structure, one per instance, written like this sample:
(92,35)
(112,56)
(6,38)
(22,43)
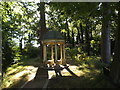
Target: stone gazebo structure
(55,41)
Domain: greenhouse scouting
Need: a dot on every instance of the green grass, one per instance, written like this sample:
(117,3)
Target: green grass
(17,74)
(92,78)
(89,70)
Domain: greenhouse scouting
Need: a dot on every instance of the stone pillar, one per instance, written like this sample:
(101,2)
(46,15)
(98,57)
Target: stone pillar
(64,60)
(44,54)
(55,52)
(64,51)
(52,53)
(61,52)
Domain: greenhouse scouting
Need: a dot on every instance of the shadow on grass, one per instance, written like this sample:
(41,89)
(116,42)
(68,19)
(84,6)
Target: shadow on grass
(32,62)
(17,84)
(20,82)
(79,82)
(12,80)
(39,79)
(92,78)
(89,80)
(72,73)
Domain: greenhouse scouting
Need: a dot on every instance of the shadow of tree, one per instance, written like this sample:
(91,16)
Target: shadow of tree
(73,74)
(39,80)
(78,82)
(88,80)
(18,83)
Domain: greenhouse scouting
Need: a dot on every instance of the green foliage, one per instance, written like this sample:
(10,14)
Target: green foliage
(71,52)
(92,76)
(20,22)
(95,47)
(7,55)
(31,52)
(17,22)
(17,74)
(75,8)
(78,56)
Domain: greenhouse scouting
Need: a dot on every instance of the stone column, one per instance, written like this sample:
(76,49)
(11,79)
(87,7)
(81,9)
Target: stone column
(52,53)
(44,53)
(64,51)
(64,60)
(55,52)
(61,52)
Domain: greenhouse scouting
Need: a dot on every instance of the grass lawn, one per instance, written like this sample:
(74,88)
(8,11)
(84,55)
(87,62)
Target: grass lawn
(89,72)
(90,75)
(19,73)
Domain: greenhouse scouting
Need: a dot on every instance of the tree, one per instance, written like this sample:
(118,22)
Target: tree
(72,38)
(16,22)
(7,44)
(87,38)
(42,25)
(105,37)
(78,35)
(82,40)
(115,65)
(68,32)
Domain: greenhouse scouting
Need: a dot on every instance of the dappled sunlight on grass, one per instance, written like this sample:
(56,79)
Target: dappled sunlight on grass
(74,69)
(65,73)
(86,70)
(90,66)
(89,72)
(17,75)
(17,81)
(33,62)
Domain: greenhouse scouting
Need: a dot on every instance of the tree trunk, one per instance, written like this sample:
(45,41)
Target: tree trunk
(115,66)
(20,45)
(72,38)
(42,26)
(65,37)
(87,40)
(82,40)
(68,32)
(78,35)
(43,29)
(29,39)
(90,30)
(105,37)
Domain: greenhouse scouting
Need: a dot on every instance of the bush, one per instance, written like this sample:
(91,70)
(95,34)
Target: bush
(8,55)
(31,52)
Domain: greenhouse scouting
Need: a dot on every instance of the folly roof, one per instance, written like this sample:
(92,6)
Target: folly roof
(53,35)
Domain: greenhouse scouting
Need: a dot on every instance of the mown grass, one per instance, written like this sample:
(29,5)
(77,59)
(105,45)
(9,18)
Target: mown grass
(17,74)
(91,77)
(89,72)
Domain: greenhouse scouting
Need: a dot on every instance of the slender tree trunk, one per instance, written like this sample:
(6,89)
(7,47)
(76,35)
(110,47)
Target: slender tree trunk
(90,32)
(115,66)
(105,37)
(20,45)
(68,32)
(78,36)
(29,39)
(82,40)
(72,38)
(65,37)
(87,40)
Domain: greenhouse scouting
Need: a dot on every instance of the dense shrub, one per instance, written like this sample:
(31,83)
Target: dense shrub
(31,52)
